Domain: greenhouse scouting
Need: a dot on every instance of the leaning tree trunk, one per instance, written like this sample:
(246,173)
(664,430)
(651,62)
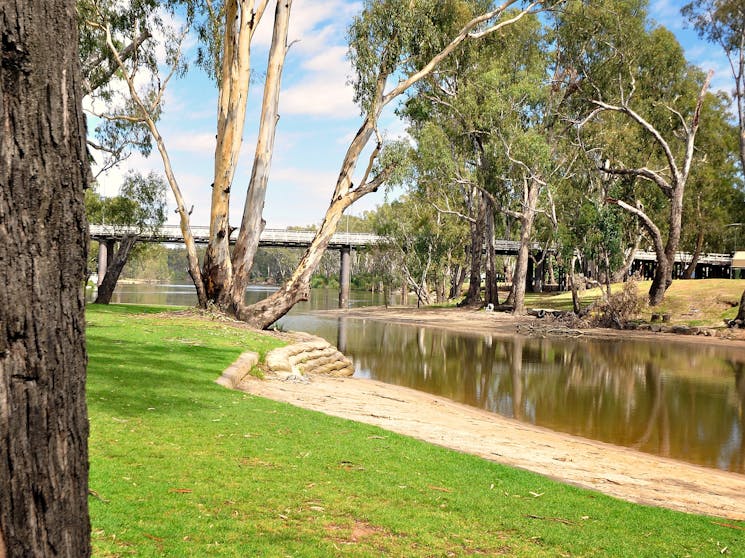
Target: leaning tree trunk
(106,289)
(43,244)
(688,273)
(620,275)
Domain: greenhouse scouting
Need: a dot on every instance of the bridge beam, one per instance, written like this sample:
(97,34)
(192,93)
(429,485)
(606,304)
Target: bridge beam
(344,275)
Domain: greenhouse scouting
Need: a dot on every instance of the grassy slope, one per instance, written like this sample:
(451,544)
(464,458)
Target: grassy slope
(696,302)
(183,467)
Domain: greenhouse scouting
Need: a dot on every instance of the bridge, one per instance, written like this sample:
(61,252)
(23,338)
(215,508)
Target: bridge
(274,238)
(107,235)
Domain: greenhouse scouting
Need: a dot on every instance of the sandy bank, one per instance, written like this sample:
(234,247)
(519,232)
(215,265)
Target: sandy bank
(620,472)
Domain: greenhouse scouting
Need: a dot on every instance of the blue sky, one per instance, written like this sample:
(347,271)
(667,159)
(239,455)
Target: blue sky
(317,117)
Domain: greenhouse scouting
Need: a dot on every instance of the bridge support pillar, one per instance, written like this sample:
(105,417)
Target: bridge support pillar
(344,276)
(105,257)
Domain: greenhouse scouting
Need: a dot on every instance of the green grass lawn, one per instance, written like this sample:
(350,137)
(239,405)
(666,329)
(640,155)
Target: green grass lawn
(183,467)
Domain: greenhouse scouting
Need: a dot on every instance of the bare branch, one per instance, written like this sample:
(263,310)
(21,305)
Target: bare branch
(649,128)
(125,54)
(449,211)
(645,173)
(497,205)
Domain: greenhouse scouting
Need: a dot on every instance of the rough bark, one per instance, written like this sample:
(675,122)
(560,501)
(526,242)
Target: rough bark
(43,242)
(114,270)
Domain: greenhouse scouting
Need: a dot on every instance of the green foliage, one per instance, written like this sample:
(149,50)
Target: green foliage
(718,21)
(382,38)
(141,203)
(141,30)
(180,466)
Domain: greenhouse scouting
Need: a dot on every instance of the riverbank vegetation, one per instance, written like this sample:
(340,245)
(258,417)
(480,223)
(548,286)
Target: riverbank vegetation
(525,128)
(183,467)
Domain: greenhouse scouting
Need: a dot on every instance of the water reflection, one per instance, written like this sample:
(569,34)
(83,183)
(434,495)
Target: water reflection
(682,401)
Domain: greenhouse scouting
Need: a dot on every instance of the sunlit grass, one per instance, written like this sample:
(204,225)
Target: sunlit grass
(705,302)
(182,467)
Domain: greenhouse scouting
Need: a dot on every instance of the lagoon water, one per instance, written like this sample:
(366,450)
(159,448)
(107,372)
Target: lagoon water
(673,399)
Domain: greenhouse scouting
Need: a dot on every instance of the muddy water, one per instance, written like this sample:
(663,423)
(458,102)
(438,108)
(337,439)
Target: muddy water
(671,399)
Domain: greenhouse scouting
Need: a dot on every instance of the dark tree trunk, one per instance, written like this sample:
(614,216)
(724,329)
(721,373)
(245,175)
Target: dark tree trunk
(576,308)
(457,278)
(113,271)
(43,243)
(741,309)
(491,293)
(473,297)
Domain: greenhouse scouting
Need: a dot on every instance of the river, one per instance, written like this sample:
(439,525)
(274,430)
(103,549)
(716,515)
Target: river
(686,402)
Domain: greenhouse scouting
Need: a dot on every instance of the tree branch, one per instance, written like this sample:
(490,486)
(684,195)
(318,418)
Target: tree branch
(465,33)
(645,173)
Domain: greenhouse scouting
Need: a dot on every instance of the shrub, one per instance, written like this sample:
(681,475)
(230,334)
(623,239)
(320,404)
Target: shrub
(619,307)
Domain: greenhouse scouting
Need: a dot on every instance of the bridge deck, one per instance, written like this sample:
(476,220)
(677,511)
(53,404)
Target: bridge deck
(269,237)
(301,239)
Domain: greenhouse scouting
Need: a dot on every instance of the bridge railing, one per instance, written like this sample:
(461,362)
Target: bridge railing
(269,237)
(686,257)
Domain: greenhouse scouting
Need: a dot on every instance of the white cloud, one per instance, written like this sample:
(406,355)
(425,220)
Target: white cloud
(319,95)
(667,13)
(202,142)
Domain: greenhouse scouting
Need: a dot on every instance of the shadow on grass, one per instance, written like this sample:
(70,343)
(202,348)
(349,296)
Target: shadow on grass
(129,376)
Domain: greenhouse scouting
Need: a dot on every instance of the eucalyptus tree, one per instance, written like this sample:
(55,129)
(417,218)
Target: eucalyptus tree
(117,133)
(723,22)
(637,85)
(715,197)
(496,106)
(43,239)
(386,42)
(424,242)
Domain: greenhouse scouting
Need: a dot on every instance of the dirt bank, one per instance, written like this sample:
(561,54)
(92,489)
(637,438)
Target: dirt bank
(501,323)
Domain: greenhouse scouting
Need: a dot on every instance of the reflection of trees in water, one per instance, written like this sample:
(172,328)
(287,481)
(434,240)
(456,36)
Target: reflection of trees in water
(734,455)
(633,394)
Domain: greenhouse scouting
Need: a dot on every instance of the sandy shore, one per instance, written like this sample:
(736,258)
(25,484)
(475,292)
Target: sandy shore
(617,471)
